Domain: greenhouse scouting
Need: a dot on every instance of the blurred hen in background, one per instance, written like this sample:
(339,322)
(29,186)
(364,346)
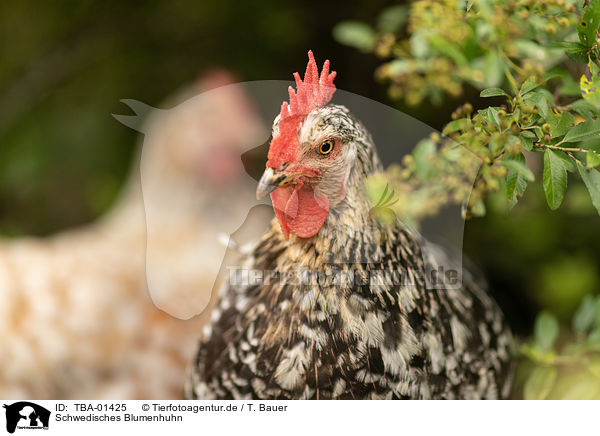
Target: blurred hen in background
(75,311)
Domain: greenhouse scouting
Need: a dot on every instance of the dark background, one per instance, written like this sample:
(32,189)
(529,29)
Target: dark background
(64,66)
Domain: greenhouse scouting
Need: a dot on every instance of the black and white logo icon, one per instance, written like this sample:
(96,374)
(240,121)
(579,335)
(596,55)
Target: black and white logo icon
(26,415)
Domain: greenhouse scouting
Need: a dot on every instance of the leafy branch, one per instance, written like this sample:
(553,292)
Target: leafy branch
(523,52)
(538,61)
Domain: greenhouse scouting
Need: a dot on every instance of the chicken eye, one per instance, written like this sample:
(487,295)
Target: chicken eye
(326,147)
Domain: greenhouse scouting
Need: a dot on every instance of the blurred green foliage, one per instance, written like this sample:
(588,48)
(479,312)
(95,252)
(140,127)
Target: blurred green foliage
(520,51)
(563,363)
(537,63)
(65,65)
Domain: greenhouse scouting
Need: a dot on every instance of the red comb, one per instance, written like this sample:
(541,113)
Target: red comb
(314,92)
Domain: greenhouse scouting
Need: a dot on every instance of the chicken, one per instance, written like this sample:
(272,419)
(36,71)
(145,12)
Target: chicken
(331,304)
(76,314)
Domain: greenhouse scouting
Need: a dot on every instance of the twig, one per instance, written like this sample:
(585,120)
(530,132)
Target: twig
(556,147)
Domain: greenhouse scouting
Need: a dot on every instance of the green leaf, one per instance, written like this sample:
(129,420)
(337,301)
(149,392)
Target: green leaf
(569,87)
(528,134)
(591,178)
(355,34)
(493,114)
(527,48)
(553,117)
(399,66)
(393,18)
(539,383)
(593,159)
(492,92)
(576,51)
(419,47)
(545,331)
(594,337)
(580,385)
(520,167)
(447,48)
(490,115)
(584,317)
(529,85)
(565,122)
(578,54)
(589,24)
(589,83)
(423,154)
(485,115)
(565,44)
(569,163)
(584,108)
(478,208)
(527,142)
(516,182)
(585,130)
(555,178)
(540,100)
(493,68)
(455,126)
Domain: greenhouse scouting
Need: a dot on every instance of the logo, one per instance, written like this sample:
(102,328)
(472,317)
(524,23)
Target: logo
(26,415)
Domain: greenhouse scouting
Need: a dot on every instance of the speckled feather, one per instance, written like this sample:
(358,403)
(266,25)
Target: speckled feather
(76,315)
(357,340)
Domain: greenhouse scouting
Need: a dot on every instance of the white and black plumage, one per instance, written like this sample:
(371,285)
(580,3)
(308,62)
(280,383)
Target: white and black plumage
(326,339)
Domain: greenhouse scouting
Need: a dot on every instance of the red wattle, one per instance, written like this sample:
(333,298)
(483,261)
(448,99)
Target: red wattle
(280,197)
(300,210)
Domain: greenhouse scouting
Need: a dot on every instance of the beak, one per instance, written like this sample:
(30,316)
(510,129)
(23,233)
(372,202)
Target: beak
(269,181)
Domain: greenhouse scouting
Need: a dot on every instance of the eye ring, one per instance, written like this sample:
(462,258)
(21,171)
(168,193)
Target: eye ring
(326,147)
